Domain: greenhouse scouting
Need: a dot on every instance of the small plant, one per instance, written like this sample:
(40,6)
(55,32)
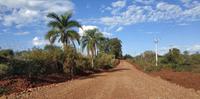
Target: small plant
(153,68)
(3,90)
(3,69)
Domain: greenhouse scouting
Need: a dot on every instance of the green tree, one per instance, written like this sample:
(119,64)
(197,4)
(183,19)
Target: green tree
(7,53)
(174,56)
(185,53)
(91,40)
(127,56)
(104,46)
(115,47)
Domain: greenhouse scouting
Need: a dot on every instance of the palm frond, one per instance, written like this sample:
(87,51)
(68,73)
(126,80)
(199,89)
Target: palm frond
(73,23)
(54,24)
(53,39)
(73,34)
(52,35)
(68,16)
(54,16)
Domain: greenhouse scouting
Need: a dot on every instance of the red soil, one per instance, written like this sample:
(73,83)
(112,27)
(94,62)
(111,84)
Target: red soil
(186,79)
(16,84)
(20,83)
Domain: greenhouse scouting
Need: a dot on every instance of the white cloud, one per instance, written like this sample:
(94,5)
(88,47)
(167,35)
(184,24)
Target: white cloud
(38,42)
(120,3)
(107,34)
(88,27)
(23,12)
(194,48)
(108,8)
(158,12)
(22,33)
(84,28)
(168,7)
(119,29)
(115,7)
(190,48)
(20,17)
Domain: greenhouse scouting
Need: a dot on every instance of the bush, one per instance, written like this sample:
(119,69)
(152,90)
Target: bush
(127,56)
(3,59)
(6,53)
(3,69)
(38,62)
(195,59)
(18,67)
(82,64)
(3,90)
(174,56)
(28,68)
(153,68)
(70,57)
(104,61)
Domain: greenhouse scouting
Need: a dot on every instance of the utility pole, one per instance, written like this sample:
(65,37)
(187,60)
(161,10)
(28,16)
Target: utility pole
(156,50)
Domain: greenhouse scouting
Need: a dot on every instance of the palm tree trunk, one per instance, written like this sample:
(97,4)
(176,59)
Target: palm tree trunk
(92,62)
(92,58)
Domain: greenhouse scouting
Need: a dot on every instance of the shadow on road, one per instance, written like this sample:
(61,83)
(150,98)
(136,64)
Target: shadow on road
(91,76)
(118,70)
(100,74)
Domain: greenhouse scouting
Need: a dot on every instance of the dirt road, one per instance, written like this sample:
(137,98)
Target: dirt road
(123,82)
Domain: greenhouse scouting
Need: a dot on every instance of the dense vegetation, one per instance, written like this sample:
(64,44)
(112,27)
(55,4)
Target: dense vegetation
(102,52)
(174,60)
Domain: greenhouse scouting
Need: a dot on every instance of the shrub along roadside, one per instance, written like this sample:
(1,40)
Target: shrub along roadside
(174,60)
(35,65)
(3,69)
(36,62)
(103,61)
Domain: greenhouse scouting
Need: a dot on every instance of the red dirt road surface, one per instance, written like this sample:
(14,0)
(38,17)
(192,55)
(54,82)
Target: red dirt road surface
(123,82)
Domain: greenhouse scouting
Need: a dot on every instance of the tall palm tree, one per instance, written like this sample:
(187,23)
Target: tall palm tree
(90,41)
(62,28)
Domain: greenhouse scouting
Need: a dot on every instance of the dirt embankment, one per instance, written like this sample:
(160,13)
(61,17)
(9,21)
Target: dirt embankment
(186,79)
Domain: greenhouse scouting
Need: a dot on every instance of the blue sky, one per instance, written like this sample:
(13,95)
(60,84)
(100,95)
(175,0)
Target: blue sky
(136,22)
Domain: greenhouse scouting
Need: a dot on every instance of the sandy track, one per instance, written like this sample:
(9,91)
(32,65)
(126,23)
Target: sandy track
(123,82)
